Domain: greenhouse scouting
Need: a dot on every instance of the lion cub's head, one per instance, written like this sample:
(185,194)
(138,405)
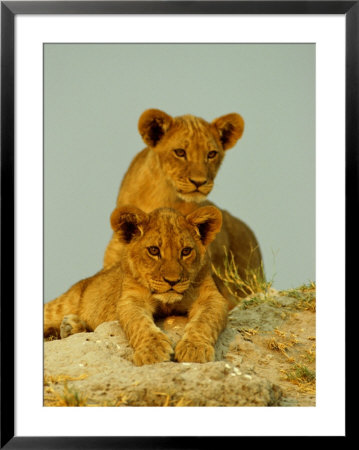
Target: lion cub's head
(190,150)
(164,250)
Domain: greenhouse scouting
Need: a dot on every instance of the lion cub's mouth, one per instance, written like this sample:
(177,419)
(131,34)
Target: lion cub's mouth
(163,288)
(169,294)
(196,195)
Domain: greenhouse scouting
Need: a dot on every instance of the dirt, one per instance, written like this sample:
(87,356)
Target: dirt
(265,357)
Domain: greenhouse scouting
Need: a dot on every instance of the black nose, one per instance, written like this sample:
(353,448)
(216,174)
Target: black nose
(198,182)
(172,282)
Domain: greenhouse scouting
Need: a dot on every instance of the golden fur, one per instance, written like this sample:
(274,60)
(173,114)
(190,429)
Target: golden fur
(163,270)
(177,169)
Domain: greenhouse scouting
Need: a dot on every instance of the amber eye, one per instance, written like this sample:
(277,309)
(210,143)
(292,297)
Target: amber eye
(186,251)
(212,154)
(180,152)
(154,251)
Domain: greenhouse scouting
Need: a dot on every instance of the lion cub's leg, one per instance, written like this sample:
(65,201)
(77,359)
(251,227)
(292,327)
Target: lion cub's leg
(72,324)
(149,343)
(207,318)
(64,305)
(154,347)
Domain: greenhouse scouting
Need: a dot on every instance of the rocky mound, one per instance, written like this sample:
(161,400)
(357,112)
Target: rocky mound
(251,356)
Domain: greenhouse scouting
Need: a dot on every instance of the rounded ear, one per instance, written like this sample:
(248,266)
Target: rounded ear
(127,222)
(152,125)
(207,221)
(230,128)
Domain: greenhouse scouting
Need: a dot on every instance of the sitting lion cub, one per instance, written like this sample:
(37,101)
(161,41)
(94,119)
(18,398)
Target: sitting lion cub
(163,270)
(177,170)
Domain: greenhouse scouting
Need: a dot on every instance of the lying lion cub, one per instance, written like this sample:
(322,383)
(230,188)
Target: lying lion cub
(163,270)
(177,170)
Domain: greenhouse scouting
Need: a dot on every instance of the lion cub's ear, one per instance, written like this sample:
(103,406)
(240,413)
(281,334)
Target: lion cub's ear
(152,125)
(127,222)
(230,128)
(207,222)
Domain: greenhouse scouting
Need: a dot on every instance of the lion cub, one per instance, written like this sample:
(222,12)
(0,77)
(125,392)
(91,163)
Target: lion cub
(177,169)
(164,269)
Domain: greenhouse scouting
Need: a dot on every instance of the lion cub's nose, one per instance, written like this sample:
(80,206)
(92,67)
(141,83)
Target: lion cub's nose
(198,181)
(172,281)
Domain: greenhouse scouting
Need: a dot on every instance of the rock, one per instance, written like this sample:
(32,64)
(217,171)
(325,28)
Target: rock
(96,368)
(102,363)
(263,316)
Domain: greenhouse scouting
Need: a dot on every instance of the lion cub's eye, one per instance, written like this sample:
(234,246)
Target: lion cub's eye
(154,251)
(186,251)
(180,152)
(212,154)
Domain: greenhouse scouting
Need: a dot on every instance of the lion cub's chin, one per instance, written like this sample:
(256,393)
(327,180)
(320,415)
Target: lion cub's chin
(168,297)
(197,197)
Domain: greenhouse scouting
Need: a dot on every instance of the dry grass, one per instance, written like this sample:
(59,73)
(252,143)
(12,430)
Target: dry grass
(69,397)
(301,376)
(254,289)
(309,354)
(304,299)
(306,296)
(169,400)
(298,374)
(282,343)
(249,331)
(239,287)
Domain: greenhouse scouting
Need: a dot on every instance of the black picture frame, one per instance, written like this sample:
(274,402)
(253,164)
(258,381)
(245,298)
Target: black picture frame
(9,10)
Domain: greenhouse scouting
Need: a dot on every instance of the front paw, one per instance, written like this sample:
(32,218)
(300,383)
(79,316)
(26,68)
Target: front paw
(153,349)
(194,351)
(71,324)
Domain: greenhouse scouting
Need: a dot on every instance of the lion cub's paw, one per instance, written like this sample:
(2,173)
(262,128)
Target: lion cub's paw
(188,351)
(154,349)
(71,324)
